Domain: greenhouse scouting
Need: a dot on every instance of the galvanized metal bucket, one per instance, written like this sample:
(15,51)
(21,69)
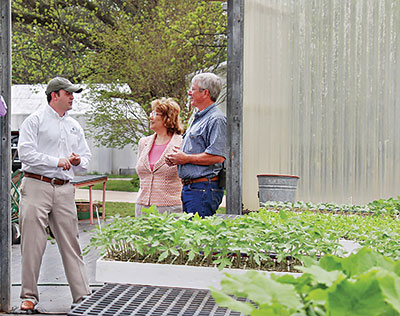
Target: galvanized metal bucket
(277,187)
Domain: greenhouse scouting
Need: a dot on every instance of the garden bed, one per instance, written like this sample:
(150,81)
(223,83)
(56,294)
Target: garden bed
(160,249)
(261,241)
(164,274)
(173,275)
(184,240)
(389,207)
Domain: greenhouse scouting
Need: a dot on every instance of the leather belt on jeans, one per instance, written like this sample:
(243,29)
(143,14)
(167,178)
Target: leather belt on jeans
(45,179)
(190,181)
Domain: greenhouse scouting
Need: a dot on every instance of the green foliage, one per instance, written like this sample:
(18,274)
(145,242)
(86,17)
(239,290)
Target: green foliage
(122,209)
(111,176)
(141,50)
(135,182)
(373,226)
(50,38)
(264,240)
(390,206)
(365,283)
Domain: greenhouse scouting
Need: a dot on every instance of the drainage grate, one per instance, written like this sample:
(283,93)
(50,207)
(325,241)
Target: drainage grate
(144,300)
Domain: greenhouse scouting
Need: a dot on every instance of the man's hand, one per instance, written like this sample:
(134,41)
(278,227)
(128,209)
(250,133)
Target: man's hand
(74,159)
(67,163)
(64,163)
(177,157)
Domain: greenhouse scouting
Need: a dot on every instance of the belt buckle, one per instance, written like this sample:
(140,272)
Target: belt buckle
(53,180)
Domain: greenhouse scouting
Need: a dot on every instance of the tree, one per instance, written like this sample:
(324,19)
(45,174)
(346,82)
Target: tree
(151,46)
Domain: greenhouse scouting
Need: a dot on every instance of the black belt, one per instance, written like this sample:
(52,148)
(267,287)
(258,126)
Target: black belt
(45,179)
(190,181)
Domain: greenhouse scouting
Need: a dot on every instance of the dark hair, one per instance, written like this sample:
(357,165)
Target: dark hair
(169,110)
(49,95)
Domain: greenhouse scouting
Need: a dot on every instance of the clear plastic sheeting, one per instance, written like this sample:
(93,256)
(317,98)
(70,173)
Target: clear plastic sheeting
(322,97)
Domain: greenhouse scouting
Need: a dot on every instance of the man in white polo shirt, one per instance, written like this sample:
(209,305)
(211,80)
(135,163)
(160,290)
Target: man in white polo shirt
(51,146)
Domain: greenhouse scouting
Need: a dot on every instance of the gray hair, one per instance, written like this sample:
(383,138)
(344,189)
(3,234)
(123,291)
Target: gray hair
(209,81)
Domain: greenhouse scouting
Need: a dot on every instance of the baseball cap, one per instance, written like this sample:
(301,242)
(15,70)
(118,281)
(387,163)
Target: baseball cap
(59,83)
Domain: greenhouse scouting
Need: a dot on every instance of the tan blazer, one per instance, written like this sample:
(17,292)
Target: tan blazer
(160,186)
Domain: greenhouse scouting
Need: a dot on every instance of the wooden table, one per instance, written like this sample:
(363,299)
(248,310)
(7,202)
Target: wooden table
(90,181)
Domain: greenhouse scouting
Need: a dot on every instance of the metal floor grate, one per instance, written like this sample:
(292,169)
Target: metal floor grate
(144,300)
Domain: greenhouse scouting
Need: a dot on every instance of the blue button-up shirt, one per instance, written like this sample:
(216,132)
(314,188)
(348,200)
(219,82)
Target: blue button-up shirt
(206,134)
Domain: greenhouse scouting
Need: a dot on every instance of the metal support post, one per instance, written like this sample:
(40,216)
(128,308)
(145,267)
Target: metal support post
(235,106)
(5,170)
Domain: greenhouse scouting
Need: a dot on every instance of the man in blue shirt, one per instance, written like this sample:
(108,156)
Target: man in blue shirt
(203,149)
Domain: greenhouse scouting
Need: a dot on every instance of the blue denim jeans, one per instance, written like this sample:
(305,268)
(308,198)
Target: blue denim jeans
(202,197)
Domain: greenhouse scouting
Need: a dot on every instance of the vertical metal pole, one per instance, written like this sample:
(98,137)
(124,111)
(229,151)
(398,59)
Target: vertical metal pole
(5,171)
(235,106)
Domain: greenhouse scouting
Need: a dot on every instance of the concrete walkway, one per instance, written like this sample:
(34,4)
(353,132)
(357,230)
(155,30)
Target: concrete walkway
(114,196)
(111,196)
(55,297)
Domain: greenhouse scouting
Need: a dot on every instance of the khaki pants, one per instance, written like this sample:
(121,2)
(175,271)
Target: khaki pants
(43,204)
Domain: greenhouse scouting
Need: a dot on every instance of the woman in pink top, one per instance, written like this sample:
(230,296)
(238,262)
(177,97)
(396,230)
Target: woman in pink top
(159,183)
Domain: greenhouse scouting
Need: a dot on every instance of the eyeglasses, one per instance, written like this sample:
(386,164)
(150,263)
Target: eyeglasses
(154,114)
(194,89)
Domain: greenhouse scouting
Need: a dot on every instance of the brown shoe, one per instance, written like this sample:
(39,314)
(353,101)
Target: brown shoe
(27,306)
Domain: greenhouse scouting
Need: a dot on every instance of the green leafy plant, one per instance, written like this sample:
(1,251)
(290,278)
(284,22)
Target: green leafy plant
(363,284)
(265,240)
(390,207)
(135,182)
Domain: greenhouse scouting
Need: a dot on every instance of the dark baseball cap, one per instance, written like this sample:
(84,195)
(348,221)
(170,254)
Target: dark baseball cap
(59,83)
